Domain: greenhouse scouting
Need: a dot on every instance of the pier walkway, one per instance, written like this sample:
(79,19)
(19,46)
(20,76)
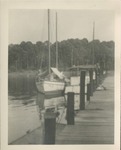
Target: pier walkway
(95,124)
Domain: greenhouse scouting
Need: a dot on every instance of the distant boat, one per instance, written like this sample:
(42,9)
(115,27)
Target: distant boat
(52,85)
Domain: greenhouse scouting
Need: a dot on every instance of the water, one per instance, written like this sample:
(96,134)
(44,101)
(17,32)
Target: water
(23,117)
(23,112)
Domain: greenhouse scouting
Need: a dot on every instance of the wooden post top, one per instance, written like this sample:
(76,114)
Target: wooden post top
(50,115)
(83,67)
(70,93)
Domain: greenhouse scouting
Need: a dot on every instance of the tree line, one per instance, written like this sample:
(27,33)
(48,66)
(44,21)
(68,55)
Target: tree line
(29,56)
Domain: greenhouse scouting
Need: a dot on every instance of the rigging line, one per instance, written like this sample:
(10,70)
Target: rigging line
(50,26)
(52,31)
(43,35)
(56,40)
(49,40)
(93,38)
(43,26)
(53,27)
(58,121)
(51,34)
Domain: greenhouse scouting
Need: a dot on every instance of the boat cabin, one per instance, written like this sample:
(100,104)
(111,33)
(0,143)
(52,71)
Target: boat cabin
(75,70)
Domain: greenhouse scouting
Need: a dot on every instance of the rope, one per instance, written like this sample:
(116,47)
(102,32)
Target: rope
(58,121)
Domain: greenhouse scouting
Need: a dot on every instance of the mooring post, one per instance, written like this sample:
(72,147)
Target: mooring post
(98,78)
(93,85)
(42,113)
(91,82)
(40,100)
(49,127)
(70,108)
(82,90)
(95,78)
(88,92)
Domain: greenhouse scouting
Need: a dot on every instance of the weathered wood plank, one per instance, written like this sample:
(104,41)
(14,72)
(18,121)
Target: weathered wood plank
(95,125)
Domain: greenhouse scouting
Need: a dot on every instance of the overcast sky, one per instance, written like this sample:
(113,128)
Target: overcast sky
(31,25)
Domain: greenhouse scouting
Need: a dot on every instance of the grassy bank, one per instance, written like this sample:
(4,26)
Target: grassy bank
(22,83)
(23,72)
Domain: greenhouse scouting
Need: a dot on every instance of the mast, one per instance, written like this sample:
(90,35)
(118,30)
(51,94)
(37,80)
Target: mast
(93,37)
(56,43)
(49,39)
(93,31)
(72,57)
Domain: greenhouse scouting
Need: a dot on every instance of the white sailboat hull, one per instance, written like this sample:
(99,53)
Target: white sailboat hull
(50,88)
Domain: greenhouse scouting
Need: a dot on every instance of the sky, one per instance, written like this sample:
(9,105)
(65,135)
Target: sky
(31,25)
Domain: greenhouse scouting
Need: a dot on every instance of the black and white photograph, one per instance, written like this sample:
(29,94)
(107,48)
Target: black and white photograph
(61,77)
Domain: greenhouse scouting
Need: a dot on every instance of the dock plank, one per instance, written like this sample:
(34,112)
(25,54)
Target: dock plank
(95,125)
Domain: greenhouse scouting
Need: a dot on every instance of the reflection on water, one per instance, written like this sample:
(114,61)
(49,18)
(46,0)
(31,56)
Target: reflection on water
(23,113)
(23,117)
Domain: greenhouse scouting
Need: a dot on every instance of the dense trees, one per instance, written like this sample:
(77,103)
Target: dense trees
(29,56)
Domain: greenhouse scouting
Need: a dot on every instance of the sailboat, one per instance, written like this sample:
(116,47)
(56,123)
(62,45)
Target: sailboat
(52,85)
(75,79)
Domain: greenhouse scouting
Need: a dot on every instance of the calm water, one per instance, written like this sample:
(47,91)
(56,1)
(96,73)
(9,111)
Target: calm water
(23,113)
(23,116)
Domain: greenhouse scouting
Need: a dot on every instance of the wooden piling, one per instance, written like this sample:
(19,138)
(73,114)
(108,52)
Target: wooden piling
(96,82)
(93,85)
(91,82)
(40,100)
(49,127)
(70,108)
(82,90)
(88,92)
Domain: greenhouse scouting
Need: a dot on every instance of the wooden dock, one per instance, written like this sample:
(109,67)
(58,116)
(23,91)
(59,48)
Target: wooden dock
(95,124)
